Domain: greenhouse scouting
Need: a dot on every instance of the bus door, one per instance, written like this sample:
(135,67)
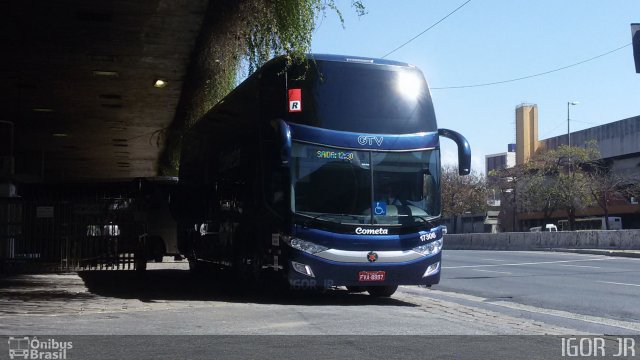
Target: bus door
(231,207)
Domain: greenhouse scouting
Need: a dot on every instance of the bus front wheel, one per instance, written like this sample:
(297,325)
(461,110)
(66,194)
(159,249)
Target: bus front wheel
(382,291)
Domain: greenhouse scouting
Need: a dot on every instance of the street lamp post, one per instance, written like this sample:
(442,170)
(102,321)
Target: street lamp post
(569,103)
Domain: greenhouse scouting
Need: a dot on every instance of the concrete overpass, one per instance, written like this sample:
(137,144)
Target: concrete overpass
(91,94)
(79,91)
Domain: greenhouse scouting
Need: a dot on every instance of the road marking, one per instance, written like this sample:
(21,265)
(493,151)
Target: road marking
(492,271)
(521,264)
(629,325)
(547,253)
(617,283)
(493,260)
(582,266)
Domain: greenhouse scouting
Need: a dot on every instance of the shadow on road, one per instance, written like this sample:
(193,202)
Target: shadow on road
(182,285)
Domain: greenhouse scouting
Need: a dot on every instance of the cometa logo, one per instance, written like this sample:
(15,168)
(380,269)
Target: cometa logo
(380,231)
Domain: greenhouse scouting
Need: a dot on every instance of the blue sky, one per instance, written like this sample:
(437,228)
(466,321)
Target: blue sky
(494,40)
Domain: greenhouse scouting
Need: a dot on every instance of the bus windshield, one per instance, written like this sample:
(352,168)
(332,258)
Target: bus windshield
(364,187)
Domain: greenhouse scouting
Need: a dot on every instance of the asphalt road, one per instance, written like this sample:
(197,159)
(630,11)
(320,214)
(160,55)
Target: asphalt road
(481,293)
(596,286)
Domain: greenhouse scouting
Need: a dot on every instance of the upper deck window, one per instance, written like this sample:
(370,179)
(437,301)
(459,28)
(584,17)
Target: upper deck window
(363,98)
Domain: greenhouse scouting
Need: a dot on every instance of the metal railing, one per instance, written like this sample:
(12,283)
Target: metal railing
(45,236)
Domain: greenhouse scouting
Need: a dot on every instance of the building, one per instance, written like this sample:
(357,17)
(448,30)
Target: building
(501,161)
(495,162)
(618,142)
(526,132)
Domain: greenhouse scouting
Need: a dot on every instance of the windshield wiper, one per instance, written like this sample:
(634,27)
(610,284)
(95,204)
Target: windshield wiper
(425,219)
(317,217)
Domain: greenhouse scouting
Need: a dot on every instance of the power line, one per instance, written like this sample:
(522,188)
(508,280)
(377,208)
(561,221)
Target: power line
(559,124)
(531,76)
(585,122)
(427,29)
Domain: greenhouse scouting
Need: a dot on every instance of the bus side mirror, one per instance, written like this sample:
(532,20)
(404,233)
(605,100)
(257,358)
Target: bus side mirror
(464,150)
(283,133)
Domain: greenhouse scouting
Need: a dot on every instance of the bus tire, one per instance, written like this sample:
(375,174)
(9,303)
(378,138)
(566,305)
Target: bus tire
(382,291)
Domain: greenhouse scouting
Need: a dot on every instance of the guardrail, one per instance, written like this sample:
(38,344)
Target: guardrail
(596,239)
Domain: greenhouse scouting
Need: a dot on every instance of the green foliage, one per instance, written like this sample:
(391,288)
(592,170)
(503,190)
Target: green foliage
(286,27)
(565,158)
(538,192)
(558,179)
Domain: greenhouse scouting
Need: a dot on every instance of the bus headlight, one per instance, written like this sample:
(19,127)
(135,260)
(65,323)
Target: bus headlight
(302,269)
(430,248)
(432,269)
(303,245)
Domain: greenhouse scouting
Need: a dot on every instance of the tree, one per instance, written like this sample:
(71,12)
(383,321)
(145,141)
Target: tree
(553,179)
(606,186)
(285,27)
(566,170)
(540,193)
(462,194)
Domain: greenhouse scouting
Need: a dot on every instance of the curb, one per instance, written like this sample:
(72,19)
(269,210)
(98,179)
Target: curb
(619,253)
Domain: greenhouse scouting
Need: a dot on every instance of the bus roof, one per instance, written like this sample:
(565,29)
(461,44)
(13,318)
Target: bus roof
(356,59)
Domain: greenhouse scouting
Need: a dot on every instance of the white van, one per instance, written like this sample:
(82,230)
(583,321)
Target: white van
(547,227)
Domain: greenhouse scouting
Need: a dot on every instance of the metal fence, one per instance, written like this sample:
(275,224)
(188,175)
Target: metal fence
(95,233)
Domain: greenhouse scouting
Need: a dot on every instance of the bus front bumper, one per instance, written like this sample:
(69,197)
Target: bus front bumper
(342,268)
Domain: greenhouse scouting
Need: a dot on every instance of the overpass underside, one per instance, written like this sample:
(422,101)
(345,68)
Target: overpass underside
(83,115)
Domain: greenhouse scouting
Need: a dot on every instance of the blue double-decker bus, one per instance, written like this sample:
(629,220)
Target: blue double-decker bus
(325,172)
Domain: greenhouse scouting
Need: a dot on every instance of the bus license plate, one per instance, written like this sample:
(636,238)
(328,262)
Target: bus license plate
(371,276)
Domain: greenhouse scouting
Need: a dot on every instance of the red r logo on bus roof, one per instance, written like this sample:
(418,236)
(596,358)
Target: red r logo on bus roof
(295,100)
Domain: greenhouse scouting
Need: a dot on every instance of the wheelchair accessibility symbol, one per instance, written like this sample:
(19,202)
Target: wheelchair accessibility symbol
(380,208)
